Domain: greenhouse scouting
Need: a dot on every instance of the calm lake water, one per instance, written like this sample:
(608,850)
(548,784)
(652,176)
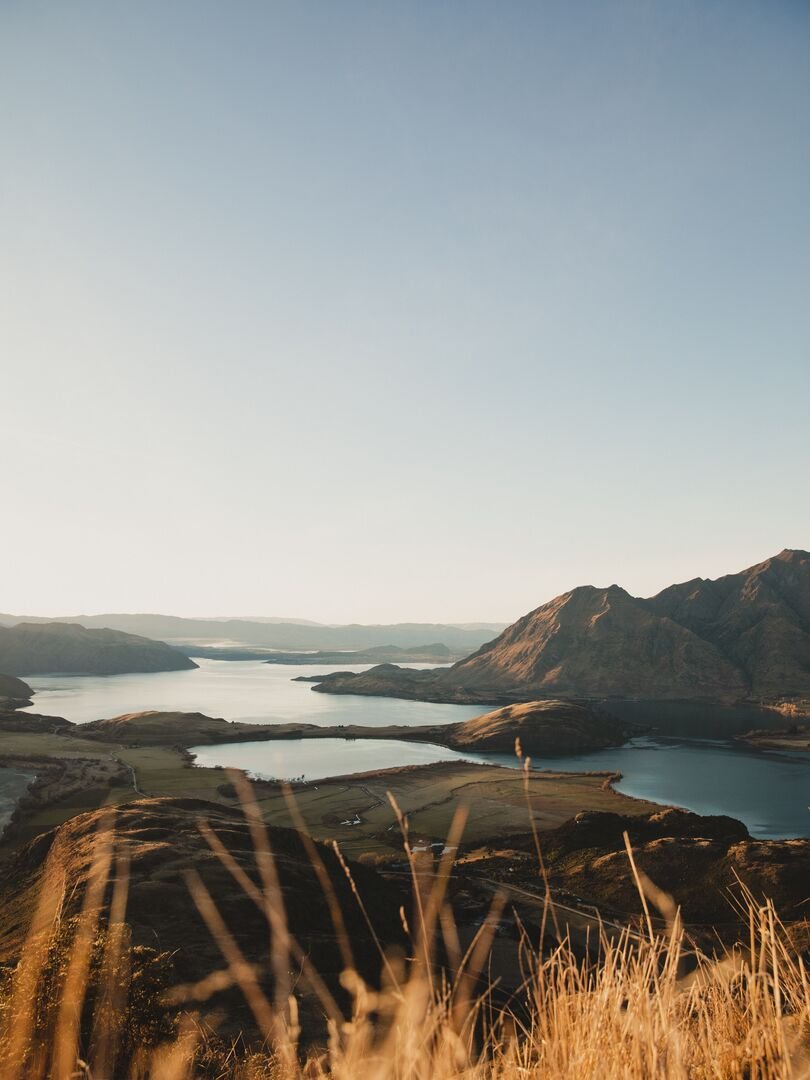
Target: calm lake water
(314,759)
(770,792)
(246,690)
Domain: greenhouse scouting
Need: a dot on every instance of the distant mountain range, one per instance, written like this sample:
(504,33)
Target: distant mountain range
(291,636)
(65,648)
(744,636)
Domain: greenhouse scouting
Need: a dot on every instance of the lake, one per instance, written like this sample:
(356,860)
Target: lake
(246,690)
(769,791)
(315,759)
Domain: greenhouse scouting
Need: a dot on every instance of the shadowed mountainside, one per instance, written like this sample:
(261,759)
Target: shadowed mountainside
(70,649)
(743,636)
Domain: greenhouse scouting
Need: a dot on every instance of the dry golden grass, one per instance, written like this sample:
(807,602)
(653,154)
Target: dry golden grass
(647,1006)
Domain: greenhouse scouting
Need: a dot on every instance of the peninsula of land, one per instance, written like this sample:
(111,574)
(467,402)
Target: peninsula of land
(541,727)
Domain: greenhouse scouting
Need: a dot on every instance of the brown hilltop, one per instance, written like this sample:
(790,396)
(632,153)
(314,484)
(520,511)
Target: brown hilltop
(543,727)
(743,635)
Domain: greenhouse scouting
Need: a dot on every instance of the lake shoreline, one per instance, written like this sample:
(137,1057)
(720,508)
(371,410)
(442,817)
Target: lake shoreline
(11,802)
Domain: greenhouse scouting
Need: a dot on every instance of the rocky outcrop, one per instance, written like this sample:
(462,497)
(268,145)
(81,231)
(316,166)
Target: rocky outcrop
(70,649)
(390,680)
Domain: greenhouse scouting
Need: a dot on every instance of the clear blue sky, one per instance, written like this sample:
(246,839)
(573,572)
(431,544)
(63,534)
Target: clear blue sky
(399,310)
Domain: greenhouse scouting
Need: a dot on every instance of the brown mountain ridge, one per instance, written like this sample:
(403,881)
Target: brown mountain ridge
(744,636)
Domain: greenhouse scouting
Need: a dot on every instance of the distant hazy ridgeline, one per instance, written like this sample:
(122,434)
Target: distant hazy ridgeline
(271,634)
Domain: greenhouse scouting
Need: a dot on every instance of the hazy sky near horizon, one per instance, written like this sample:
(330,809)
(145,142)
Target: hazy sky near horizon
(379,311)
